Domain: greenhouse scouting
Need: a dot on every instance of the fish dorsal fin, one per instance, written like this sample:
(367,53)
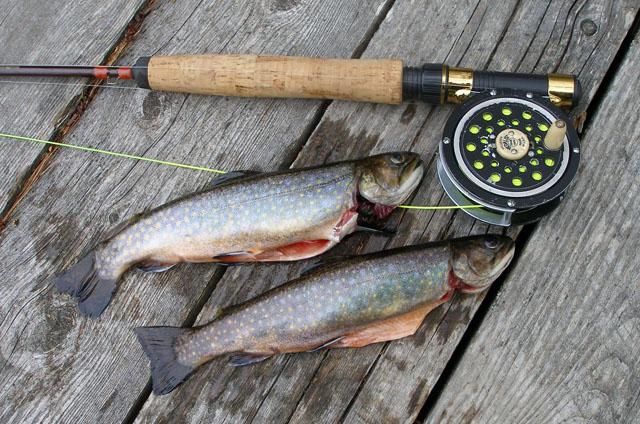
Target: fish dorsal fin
(232,176)
(389,329)
(226,310)
(320,263)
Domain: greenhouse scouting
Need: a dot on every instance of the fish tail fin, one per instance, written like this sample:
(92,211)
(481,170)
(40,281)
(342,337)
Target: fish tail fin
(82,281)
(167,372)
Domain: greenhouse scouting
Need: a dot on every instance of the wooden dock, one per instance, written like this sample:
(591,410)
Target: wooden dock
(555,340)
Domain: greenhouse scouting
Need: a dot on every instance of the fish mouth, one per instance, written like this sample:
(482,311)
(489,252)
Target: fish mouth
(480,285)
(415,169)
(412,172)
(410,176)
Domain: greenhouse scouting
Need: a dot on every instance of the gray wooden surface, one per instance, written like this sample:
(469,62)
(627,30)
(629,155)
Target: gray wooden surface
(60,366)
(42,33)
(560,343)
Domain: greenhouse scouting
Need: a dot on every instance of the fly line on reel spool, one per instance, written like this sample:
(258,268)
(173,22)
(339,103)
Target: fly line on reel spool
(511,152)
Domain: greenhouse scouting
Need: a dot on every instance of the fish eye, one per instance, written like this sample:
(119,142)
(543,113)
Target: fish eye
(396,158)
(491,242)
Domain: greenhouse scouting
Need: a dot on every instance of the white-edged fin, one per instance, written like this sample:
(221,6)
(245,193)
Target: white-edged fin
(83,282)
(320,263)
(245,358)
(327,344)
(149,266)
(232,176)
(382,231)
(159,345)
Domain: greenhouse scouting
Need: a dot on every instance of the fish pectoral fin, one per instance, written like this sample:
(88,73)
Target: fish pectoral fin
(245,358)
(233,176)
(384,231)
(150,265)
(319,263)
(368,221)
(326,345)
(389,329)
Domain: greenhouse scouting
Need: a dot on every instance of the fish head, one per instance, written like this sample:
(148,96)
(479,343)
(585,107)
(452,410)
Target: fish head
(478,260)
(388,179)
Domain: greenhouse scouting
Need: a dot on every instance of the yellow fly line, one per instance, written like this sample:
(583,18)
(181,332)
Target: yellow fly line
(197,168)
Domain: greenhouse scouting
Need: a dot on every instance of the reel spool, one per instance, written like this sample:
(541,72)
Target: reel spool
(512,152)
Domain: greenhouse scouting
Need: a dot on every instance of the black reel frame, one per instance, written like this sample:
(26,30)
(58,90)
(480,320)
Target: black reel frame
(510,191)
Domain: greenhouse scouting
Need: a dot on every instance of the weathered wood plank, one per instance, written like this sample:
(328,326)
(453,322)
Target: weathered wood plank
(60,365)
(560,343)
(50,32)
(427,361)
(330,386)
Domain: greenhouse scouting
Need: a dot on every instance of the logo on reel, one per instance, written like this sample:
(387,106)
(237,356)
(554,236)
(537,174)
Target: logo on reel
(512,144)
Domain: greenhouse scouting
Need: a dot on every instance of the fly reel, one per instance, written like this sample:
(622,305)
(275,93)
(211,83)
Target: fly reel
(511,152)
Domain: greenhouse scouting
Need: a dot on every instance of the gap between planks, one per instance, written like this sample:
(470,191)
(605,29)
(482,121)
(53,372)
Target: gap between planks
(70,116)
(523,236)
(144,395)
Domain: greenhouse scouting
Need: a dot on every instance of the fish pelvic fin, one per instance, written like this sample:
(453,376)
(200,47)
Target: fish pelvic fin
(167,372)
(151,266)
(83,282)
(245,358)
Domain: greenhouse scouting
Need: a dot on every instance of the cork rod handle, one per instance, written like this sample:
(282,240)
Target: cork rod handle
(366,80)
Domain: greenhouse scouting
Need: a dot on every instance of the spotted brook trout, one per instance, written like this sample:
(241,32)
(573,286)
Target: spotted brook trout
(351,303)
(283,216)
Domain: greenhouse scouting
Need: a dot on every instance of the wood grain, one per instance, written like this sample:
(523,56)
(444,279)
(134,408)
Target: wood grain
(560,343)
(385,382)
(373,80)
(59,365)
(53,32)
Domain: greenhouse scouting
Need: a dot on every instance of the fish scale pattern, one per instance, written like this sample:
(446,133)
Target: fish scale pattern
(331,302)
(268,209)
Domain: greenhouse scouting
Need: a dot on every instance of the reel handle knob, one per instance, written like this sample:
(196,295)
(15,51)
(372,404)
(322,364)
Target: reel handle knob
(555,135)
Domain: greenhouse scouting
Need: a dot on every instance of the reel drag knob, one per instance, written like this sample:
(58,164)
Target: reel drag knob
(512,153)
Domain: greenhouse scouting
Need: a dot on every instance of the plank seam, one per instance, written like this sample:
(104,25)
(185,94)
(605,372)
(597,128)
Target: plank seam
(537,31)
(354,398)
(155,53)
(189,321)
(503,33)
(275,380)
(472,328)
(73,111)
(375,26)
(306,388)
(612,72)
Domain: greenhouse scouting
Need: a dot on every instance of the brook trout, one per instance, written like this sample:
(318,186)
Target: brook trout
(280,216)
(352,303)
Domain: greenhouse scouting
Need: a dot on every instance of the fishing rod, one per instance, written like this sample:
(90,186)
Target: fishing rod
(366,80)
(507,154)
